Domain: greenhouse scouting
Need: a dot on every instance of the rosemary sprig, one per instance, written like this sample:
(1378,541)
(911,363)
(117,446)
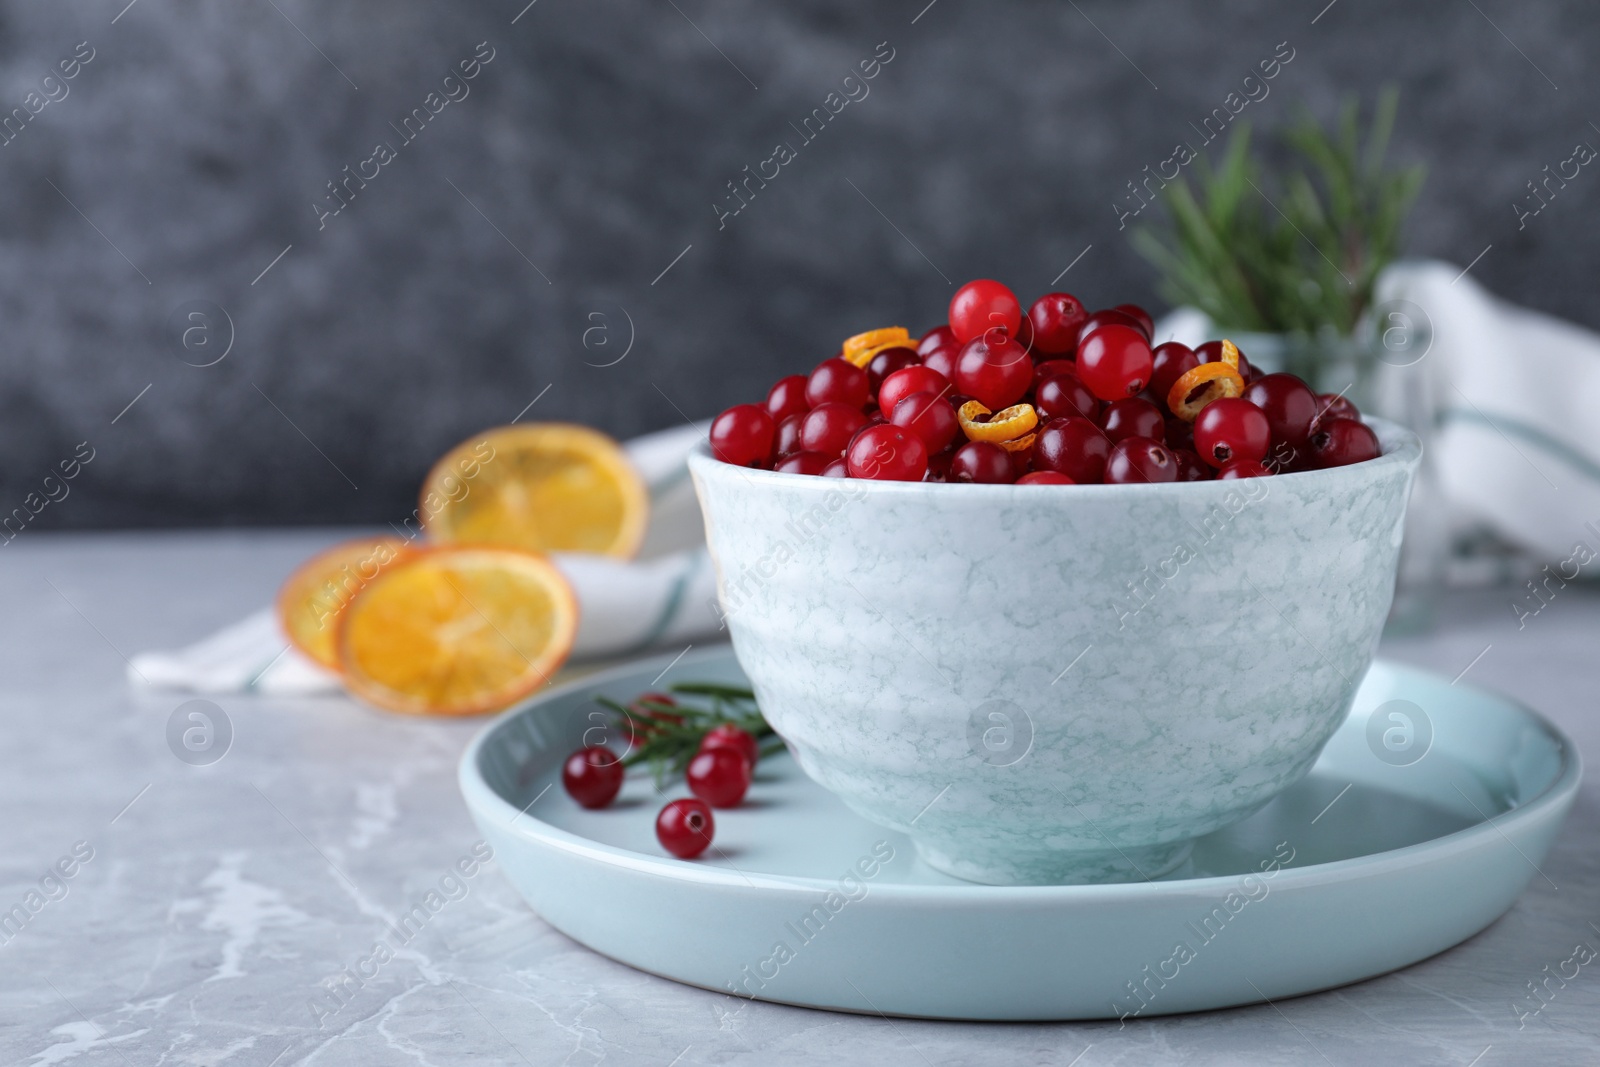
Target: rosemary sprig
(668,735)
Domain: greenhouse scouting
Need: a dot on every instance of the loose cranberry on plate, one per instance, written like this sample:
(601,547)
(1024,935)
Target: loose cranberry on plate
(902,383)
(1338,442)
(983,462)
(982,305)
(727,735)
(592,776)
(938,337)
(685,827)
(838,381)
(788,397)
(1230,429)
(1056,319)
(803,463)
(1061,395)
(744,435)
(886,363)
(1073,446)
(1140,459)
(1114,361)
(828,427)
(1132,417)
(1289,405)
(930,417)
(719,776)
(996,371)
(1169,361)
(887,453)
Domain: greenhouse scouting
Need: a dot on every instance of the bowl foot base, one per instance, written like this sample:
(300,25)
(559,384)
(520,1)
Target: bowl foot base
(1059,868)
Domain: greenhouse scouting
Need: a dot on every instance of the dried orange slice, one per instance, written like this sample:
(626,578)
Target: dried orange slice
(1007,424)
(311,600)
(885,337)
(1219,379)
(457,631)
(1019,444)
(545,487)
(1230,353)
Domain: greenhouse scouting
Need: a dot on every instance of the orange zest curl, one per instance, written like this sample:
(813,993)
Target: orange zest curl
(1230,353)
(862,357)
(1020,444)
(1219,380)
(980,424)
(860,349)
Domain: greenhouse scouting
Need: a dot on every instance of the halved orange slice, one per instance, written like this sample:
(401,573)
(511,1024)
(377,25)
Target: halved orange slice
(311,600)
(545,487)
(457,631)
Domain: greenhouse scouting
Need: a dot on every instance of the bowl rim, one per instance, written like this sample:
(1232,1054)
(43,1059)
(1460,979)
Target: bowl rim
(1402,450)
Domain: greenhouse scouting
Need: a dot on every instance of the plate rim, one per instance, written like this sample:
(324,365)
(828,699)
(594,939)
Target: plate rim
(482,799)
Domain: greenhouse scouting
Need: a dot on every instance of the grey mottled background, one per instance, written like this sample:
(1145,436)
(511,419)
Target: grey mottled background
(460,282)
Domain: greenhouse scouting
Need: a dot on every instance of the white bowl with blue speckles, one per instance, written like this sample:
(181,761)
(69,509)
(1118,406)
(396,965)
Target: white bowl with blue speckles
(1051,684)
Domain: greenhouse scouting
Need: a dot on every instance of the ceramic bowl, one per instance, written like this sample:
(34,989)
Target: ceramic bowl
(1051,684)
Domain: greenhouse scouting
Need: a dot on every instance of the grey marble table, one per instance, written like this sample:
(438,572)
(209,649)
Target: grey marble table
(206,905)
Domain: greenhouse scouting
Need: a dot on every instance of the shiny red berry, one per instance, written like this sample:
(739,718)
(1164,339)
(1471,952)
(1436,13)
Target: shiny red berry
(1049,368)
(943,361)
(983,462)
(744,435)
(1061,395)
(837,469)
(1190,469)
(1211,351)
(887,453)
(1056,318)
(685,827)
(1109,317)
(1132,416)
(788,397)
(828,427)
(1073,446)
(982,305)
(938,337)
(838,381)
(1242,468)
(1229,429)
(1045,478)
(803,463)
(902,383)
(719,776)
(1114,361)
(1139,459)
(788,439)
(592,776)
(1334,406)
(1338,442)
(1169,362)
(886,363)
(930,417)
(994,370)
(1289,405)
(727,735)
(1139,315)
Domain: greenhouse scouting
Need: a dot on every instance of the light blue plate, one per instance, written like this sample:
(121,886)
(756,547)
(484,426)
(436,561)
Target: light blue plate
(1368,865)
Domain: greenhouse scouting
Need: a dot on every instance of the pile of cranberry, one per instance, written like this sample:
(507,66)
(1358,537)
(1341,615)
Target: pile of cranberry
(1054,396)
(718,775)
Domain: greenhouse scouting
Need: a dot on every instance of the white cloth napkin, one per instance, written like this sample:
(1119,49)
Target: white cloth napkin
(1515,398)
(667,596)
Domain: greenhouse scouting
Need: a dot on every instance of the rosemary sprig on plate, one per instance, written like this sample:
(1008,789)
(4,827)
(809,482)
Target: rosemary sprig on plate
(667,734)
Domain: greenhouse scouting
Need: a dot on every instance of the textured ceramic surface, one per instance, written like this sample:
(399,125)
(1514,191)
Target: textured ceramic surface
(1370,863)
(1045,684)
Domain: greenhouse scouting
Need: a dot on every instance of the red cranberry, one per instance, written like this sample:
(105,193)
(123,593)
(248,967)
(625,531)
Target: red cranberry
(727,735)
(982,461)
(828,427)
(1211,351)
(1063,394)
(1241,468)
(1109,318)
(788,397)
(943,360)
(1045,478)
(837,469)
(803,463)
(1073,446)
(1190,469)
(980,306)
(685,827)
(1139,459)
(887,453)
(838,381)
(1056,318)
(939,466)
(997,374)
(886,363)
(1049,368)
(788,439)
(1334,406)
(1230,429)
(1114,362)
(1139,315)
(1179,434)
(902,383)
(1168,363)
(719,776)
(938,337)
(1288,403)
(743,435)
(1025,337)
(1341,441)
(1132,417)
(930,417)
(592,776)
